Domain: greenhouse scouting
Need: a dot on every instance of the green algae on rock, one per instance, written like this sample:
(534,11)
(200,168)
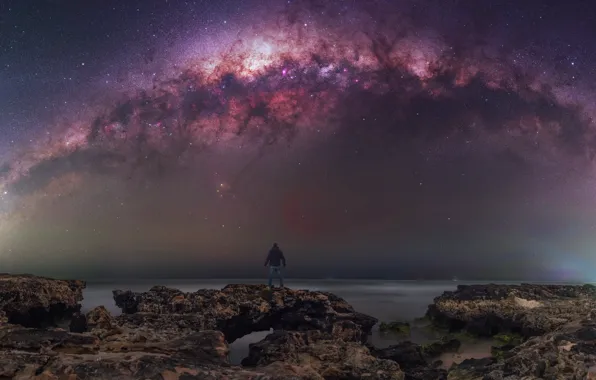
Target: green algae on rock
(510,339)
(402,328)
(434,349)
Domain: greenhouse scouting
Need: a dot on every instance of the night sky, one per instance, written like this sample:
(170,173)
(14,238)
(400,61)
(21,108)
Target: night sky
(398,139)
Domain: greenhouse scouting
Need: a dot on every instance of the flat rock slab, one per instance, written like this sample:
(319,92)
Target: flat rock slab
(55,353)
(237,310)
(38,301)
(527,309)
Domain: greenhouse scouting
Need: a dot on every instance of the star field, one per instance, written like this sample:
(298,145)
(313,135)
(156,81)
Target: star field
(399,139)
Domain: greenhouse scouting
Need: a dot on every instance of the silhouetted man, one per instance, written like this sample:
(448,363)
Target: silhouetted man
(275,259)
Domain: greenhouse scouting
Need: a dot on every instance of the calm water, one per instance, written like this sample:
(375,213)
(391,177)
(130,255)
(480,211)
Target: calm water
(385,300)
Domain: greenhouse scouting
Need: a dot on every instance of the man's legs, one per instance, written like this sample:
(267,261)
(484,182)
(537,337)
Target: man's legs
(271,271)
(277,271)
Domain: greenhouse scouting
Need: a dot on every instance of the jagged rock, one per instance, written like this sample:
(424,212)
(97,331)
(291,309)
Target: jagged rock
(20,364)
(40,339)
(564,354)
(412,359)
(25,352)
(320,354)
(100,318)
(474,369)
(160,326)
(38,301)
(412,355)
(434,349)
(236,310)
(264,350)
(101,323)
(78,323)
(167,334)
(567,353)
(526,309)
(122,366)
(409,355)
(500,352)
(171,335)
(205,347)
(426,373)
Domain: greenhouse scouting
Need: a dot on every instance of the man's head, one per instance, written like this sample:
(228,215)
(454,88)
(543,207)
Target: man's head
(275,245)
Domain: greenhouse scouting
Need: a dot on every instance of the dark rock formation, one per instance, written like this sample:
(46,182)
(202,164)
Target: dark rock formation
(527,309)
(474,369)
(415,360)
(175,335)
(108,351)
(556,320)
(78,323)
(168,334)
(434,349)
(54,354)
(426,373)
(321,354)
(566,353)
(409,355)
(237,310)
(36,339)
(37,301)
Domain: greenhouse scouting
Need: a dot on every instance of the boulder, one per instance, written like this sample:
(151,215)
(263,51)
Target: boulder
(526,309)
(100,318)
(38,301)
(237,310)
(412,359)
(78,323)
(409,355)
(434,349)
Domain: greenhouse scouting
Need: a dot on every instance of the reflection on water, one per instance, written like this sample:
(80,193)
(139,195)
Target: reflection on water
(385,300)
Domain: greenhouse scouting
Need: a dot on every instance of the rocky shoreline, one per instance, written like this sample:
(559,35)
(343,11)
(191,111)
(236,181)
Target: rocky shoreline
(548,331)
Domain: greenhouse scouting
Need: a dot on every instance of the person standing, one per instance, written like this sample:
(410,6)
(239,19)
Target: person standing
(275,260)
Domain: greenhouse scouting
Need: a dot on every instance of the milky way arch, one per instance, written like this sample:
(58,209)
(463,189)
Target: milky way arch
(309,73)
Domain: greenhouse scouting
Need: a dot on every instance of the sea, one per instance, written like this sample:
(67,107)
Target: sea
(386,300)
